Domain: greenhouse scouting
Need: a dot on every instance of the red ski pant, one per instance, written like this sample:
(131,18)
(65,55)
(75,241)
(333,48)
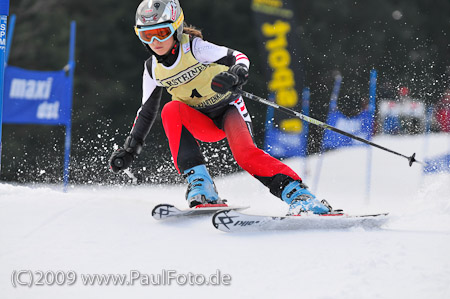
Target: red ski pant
(183,124)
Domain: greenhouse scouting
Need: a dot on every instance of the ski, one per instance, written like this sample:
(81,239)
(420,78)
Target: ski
(164,211)
(233,221)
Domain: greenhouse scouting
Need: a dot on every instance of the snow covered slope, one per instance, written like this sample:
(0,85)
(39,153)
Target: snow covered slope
(109,230)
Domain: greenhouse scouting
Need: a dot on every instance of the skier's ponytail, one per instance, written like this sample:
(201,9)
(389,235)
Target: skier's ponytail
(192,31)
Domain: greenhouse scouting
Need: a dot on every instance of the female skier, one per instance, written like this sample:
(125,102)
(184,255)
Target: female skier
(203,80)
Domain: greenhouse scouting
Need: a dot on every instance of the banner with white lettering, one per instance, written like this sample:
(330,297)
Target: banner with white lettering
(36,97)
(275,21)
(359,125)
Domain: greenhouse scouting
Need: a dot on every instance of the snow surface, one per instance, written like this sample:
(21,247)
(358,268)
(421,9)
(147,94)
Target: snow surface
(104,229)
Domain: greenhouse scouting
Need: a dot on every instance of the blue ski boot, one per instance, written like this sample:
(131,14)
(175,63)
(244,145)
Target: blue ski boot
(201,189)
(300,200)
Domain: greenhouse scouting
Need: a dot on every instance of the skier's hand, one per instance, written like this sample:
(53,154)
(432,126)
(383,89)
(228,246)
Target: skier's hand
(121,158)
(230,80)
(241,71)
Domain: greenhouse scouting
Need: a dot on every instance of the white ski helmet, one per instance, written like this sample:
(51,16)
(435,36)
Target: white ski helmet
(155,12)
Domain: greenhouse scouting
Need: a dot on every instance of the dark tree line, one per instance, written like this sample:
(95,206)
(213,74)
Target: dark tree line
(407,41)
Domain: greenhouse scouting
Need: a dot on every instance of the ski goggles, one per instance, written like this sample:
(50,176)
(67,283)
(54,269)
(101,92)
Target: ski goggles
(160,32)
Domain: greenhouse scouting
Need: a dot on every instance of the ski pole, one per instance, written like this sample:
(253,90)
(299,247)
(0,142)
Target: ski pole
(119,163)
(316,122)
(133,178)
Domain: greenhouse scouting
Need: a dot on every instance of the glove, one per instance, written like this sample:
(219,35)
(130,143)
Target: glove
(241,71)
(230,80)
(121,159)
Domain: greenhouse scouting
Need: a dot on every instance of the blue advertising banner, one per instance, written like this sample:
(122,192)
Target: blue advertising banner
(278,39)
(282,144)
(359,125)
(4,7)
(36,97)
(39,97)
(436,165)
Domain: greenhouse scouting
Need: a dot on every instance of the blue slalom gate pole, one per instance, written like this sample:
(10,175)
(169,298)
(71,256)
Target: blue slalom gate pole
(333,106)
(426,139)
(9,36)
(372,106)
(71,70)
(269,122)
(4,12)
(306,94)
